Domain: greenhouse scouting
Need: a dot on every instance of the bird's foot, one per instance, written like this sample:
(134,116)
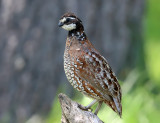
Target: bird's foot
(85,108)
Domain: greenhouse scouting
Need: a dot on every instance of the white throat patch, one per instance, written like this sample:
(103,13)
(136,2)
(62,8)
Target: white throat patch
(69,27)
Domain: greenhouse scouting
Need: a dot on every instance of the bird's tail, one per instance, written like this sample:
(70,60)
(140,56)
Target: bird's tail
(115,105)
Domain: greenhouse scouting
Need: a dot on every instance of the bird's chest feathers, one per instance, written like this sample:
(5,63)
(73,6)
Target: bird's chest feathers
(74,46)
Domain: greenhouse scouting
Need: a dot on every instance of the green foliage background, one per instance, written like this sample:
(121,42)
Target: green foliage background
(141,95)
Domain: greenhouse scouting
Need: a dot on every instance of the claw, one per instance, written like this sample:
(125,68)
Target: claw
(88,108)
(85,108)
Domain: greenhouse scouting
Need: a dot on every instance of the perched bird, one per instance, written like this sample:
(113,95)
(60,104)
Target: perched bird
(86,69)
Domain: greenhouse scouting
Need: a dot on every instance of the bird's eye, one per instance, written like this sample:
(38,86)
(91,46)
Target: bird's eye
(67,20)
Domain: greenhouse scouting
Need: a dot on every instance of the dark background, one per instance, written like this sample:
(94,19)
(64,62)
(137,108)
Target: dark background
(32,46)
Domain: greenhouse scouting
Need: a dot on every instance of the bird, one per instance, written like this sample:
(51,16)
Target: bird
(86,69)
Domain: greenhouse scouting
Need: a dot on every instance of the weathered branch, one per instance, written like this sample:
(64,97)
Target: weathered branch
(71,113)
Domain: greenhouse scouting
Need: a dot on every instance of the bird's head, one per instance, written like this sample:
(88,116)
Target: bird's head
(70,22)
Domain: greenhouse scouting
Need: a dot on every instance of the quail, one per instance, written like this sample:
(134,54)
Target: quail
(86,69)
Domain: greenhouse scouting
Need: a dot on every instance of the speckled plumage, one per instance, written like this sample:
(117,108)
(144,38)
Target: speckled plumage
(87,70)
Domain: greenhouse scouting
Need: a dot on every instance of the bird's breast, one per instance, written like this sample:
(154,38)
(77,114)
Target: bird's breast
(71,53)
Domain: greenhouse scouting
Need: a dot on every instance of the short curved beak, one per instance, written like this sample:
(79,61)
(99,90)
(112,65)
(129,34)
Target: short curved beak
(60,24)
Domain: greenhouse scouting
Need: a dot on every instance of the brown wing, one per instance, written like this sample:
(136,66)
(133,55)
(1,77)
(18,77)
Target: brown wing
(94,69)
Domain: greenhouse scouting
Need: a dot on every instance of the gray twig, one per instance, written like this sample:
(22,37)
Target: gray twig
(71,113)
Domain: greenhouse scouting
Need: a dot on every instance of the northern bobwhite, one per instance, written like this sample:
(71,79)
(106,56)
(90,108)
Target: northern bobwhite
(86,69)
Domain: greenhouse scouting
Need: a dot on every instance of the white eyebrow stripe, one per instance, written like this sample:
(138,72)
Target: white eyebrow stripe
(71,17)
(63,20)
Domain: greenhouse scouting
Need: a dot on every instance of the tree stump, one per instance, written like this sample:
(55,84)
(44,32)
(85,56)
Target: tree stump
(71,113)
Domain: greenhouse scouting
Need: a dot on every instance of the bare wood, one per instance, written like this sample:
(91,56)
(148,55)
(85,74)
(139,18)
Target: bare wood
(71,113)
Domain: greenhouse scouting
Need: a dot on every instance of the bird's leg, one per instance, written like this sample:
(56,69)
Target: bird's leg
(98,107)
(92,103)
(88,106)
